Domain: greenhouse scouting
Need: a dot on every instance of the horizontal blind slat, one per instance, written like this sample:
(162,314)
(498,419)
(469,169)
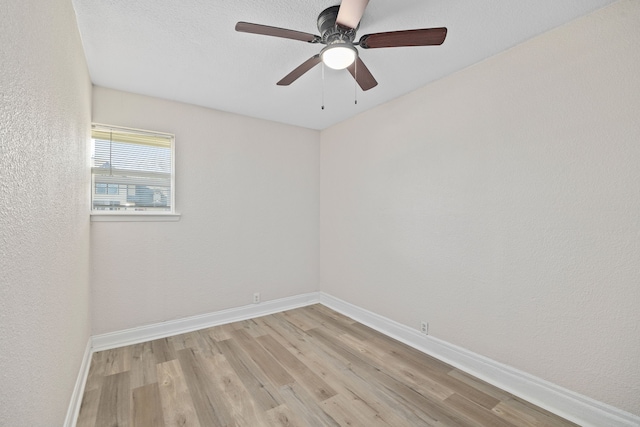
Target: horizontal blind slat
(124,173)
(131,137)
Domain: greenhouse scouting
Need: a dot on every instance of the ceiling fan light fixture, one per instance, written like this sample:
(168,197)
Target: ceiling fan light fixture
(339,56)
(338,26)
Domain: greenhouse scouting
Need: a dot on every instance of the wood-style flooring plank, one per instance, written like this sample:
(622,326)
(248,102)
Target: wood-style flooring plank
(146,407)
(242,409)
(301,372)
(177,406)
(352,412)
(96,372)
(206,399)
(337,369)
(216,333)
(479,385)
(270,366)
(299,320)
(143,365)
(255,381)
(187,340)
(431,370)
(424,384)
(308,367)
(249,326)
(522,414)
(163,351)
(336,324)
(306,407)
(475,412)
(427,407)
(115,401)
(344,378)
(117,360)
(89,408)
(321,360)
(284,417)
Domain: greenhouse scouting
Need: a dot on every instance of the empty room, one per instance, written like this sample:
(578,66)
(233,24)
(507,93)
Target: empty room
(320,213)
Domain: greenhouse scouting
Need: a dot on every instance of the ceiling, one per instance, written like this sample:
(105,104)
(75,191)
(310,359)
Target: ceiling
(188,50)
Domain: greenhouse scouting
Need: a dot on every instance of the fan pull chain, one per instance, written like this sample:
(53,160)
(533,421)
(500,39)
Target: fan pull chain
(322,86)
(355,82)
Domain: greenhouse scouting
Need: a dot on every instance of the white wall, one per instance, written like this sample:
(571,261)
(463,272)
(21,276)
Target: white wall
(45,111)
(501,204)
(248,192)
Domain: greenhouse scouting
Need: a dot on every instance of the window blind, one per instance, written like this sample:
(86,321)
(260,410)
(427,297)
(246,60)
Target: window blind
(132,170)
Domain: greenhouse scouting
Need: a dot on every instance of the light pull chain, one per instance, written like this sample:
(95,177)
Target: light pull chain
(322,86)
(355,82)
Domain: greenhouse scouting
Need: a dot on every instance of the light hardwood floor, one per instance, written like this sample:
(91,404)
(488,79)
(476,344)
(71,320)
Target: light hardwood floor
(305,367)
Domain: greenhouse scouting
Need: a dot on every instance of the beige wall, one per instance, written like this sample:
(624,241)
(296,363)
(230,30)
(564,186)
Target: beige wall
(247,190)
(45,105)
(501,205)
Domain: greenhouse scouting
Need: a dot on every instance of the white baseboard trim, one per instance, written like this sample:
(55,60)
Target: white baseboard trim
(194,323)
(565,403)
(78,389)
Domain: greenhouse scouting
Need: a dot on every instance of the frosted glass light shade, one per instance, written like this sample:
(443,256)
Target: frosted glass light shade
(339,57)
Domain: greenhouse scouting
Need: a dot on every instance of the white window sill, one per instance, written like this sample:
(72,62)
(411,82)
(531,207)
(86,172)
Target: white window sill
(138,217)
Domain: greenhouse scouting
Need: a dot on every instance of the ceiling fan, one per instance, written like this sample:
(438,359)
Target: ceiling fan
(338,26)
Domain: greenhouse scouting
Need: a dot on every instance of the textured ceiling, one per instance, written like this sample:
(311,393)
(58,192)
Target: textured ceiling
(188,51)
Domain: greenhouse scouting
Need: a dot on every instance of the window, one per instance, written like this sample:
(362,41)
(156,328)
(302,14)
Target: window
(131,171)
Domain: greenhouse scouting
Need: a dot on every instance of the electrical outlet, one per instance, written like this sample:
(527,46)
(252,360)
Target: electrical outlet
(256,298)
(424,328)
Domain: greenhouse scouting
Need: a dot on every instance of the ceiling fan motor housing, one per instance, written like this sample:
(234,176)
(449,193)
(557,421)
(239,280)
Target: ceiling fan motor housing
(332,33)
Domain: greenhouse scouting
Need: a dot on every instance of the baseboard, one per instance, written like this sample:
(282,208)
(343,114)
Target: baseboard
(78,389)
(193,323)
(563,402)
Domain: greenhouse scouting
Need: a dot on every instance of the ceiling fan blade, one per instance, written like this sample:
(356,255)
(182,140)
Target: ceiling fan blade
(247,27)
(422,37)
(351,12)
(302,68)
(363,76)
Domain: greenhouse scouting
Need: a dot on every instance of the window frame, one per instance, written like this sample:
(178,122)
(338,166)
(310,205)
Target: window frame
(117,215)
